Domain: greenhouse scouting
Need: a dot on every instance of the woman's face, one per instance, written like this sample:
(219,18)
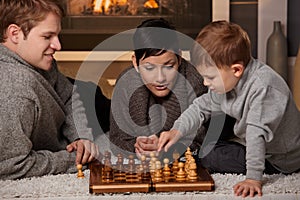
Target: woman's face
(158,72)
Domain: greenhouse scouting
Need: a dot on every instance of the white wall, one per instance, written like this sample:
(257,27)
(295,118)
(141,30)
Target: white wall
(221,10)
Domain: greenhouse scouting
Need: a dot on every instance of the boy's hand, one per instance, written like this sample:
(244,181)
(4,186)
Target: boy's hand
(167,139)
(248,187)
(144,145)
(87,151)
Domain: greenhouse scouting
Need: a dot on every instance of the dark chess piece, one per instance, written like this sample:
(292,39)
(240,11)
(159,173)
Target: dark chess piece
(131,174)
(107,172)
(120,175)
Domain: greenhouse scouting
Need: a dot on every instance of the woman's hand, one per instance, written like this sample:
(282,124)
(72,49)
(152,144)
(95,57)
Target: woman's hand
(248,187)
(145,145)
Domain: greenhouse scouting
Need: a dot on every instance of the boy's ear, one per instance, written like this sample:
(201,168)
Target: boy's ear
(238,69)
(133,59)
(13,33)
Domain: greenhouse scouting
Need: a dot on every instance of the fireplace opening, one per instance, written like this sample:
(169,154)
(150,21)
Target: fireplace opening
(89,22)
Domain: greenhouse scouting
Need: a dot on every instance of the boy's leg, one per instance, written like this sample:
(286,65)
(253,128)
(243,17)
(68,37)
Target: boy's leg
(269,169)
(226,157)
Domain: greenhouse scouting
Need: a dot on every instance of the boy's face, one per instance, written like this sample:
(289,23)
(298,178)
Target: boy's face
(219,80)
(159,72)
(41,42)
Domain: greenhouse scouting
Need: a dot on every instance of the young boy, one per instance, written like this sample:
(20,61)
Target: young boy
(267,120)
(42,120)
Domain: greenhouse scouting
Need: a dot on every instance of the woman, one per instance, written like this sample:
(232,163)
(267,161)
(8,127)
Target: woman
(151,95)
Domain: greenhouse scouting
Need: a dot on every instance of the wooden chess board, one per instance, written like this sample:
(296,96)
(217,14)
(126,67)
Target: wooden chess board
(99,185)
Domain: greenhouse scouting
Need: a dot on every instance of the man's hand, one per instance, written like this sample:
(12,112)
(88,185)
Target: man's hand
(145,145)
(87,151)
(248,187)
(167,139)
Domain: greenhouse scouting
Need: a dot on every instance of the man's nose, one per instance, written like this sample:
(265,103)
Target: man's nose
(55,44)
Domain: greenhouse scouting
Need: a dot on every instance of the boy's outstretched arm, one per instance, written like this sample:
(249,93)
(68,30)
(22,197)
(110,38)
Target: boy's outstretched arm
(248,187)
(167,139)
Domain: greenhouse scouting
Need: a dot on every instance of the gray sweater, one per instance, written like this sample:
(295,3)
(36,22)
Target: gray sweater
(39,115)
(267,120)
(135,111)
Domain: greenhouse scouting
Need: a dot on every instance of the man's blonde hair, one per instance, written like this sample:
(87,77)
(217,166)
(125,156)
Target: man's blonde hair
(26,13)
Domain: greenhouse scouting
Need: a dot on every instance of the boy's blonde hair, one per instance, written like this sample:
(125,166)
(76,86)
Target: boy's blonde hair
(26,13)
(226,43)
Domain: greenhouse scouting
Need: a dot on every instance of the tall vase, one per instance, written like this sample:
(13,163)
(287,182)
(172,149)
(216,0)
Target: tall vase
(277,57)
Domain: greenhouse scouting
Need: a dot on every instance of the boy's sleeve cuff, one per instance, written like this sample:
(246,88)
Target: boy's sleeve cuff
(255,175)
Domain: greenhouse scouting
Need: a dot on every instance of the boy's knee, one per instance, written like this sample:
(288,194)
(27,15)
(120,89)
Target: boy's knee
(226,157)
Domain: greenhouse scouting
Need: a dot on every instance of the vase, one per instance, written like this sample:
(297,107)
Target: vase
(277,57)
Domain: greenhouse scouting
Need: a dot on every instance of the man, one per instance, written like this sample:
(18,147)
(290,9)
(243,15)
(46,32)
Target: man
(43,126)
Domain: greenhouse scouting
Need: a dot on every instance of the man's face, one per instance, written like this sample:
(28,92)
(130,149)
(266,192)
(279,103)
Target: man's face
(41,42)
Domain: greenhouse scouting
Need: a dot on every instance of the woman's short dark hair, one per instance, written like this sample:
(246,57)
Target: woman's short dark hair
(154,37)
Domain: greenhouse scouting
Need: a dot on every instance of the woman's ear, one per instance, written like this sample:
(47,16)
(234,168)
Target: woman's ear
(179,57)
(238,69)
(133,59)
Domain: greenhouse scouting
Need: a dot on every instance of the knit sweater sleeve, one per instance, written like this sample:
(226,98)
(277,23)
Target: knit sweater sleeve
(195,115)
(18,159)
(122,132)
(266,109)
(76,124)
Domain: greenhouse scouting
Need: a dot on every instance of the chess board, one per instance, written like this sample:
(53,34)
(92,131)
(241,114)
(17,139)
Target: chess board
(98,184)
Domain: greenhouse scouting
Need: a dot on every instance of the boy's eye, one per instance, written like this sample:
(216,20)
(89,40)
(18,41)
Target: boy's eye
(47,37)
(209,78)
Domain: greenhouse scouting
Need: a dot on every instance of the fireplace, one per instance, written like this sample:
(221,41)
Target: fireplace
(89,22)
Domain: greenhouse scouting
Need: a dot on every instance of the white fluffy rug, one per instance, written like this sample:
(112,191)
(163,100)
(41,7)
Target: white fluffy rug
(68,186)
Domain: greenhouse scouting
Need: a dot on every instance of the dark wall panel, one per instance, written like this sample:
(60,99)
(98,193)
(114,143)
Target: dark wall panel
(293,28)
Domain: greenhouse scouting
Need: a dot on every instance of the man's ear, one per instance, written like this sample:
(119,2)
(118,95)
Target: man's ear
(133,59)
(13,33)
(238,69)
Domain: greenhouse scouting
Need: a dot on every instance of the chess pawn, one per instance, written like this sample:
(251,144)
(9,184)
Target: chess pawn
(152,165)
(192,175)
(176,155)
(131,175)
(166,170)
(140,170)
(145,176)
(158,173)
(107,174)
(180,176)
(107,158)
(120,175)
(80,174)
(175,167)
